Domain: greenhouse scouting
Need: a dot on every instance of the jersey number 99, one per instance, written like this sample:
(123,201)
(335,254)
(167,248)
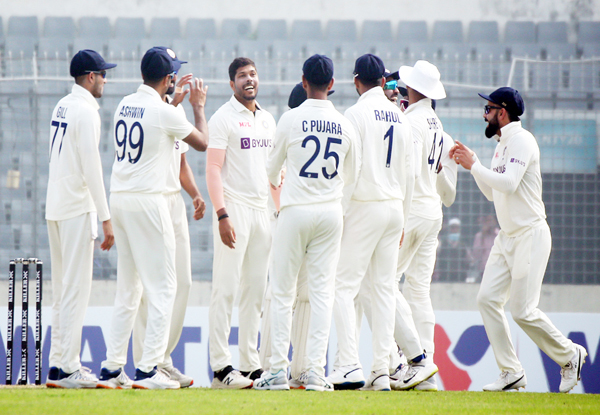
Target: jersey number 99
(125,137)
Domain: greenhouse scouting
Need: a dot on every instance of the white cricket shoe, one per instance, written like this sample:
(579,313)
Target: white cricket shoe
(175,374)
(272,381)
(378,380)
(416,373)
(80,379)
(295,383)
(314,382)
(347,377)
(429,385)
(233,380)
(155,379)
(507,381)
(398,374)
(570,373)
(116,379)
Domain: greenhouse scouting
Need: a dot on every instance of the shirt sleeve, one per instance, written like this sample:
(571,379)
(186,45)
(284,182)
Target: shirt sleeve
(517,159)
(447,178)
(175,123)
(418,144)
(279,151)
(89,138)
(349,187)
(218,132)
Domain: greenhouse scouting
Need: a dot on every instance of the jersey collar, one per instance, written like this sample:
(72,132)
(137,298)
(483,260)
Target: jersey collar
(321,103)
(373,92)
(510,129)
(239,107)
(81,92)
(425,102)
(150,91)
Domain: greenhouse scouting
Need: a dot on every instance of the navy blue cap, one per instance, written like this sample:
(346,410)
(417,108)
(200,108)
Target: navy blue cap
(86,61)
(369,67)
(507,98)
(298,95)
(393,75)
(318,69)
(159,62)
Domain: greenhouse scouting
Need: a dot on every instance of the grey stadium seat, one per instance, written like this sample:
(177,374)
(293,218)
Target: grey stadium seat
(483,32)
(589,32)
(94,27)
(94,43)
(376,31)
(200,29)
(20,46)
(412,31)
(236,29)
(167,28)
(62,27)
(188,49)
(130,27)
(447,31)
(523,50)
(560,51)
(271,29)
(305,30)
(26,26)
(344,30)
(552,32)
(519,32)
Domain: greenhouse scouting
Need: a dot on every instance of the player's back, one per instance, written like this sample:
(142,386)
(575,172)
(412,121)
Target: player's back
(319,142)
(386,147)
(428,132)
(145,128)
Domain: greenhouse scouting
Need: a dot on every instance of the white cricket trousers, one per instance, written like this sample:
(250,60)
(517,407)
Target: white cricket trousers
(242,269)
(183,271)
(72,254)
(416,260)
(146,263)
(515,269)
(309,233)
(371,237)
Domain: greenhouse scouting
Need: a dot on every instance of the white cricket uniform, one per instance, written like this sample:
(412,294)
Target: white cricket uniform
(416,259)
(145,130)
(75,200)
(373,223)
(247,138)
(183,262)
(320,149)
(517,262)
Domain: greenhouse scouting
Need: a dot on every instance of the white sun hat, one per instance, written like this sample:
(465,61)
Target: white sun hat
(424,77)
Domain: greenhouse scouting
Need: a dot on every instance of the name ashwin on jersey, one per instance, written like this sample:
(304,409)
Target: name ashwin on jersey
(387,116)
(322,126)
(132,112)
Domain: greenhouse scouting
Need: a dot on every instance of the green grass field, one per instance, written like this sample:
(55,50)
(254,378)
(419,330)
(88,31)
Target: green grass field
(40,401)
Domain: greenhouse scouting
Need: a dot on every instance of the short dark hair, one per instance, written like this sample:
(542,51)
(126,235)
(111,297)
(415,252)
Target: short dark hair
(513,117)
(318,87)
(237,64)
(371,83)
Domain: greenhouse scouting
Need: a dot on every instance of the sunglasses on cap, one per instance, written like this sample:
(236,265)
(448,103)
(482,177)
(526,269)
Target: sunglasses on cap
(102,73)
(393,84)
(488,108)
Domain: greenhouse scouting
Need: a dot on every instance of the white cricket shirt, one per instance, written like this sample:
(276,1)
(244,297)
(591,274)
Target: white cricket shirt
(428,134)
(387,171)
(247,138)
(75,184)
(145,129)
(321,152)
(514,182)
(180,147)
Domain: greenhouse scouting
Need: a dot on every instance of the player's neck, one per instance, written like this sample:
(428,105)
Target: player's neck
(250,104)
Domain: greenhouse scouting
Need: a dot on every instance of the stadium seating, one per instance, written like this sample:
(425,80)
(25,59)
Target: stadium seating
(271,30)
(519,32)
(304,30)
(200,29)
(236,29)
(483,32)
(447,32)
(376,31)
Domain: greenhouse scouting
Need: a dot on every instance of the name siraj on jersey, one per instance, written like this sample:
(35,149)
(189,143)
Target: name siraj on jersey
(132,112)
(387,116)
(322,126)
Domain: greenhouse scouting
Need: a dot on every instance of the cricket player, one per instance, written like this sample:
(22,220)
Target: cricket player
(240,137)
(180,175)
(373,226)
(517,262)
(319,147)
(76,199)
(437,177)
(146,128)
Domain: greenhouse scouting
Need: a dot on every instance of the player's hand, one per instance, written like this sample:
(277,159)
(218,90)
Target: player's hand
(180,93)
(402,238)
(198,92)
(199,207)
(227,232)
(109,236)
(463,155)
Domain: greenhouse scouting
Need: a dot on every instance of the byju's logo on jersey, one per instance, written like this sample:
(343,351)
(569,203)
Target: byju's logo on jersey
(245,143)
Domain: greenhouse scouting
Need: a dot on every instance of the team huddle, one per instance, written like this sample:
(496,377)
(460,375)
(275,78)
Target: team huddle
(317,217)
